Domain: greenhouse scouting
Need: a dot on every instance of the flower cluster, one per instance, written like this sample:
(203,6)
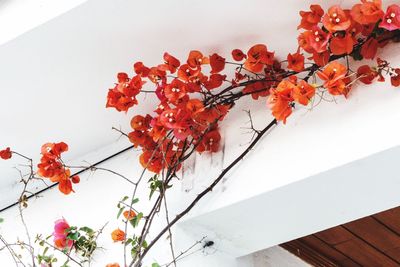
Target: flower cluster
(60,234)
(181,117)
(191,103)
(51,166)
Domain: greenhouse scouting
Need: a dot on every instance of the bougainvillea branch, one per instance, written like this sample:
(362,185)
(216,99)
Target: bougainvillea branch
(195,96)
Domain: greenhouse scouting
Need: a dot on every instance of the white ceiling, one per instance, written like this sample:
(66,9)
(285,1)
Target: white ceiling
(54,78)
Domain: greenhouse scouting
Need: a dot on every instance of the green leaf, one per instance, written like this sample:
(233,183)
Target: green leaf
(45,250)
(135,221)
(1,220)
(155,265)
(124,198)
(134,201)
(86,229)
(120,212)
(73,236)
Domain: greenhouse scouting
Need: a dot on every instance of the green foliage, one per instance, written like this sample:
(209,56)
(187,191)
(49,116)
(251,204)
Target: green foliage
(1,220)
(157,185)
(135,221)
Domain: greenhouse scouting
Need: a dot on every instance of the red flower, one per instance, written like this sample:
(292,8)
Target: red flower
(303,93)
(369,12)
(257,57)
(304,41)
(119,101)
(186,73)
(141,69)
(336,19)
(280,100)
(312,18)
(151,160)
(342,45)
(318,39)
(321,59)
(366,74)
(123,95)
(335,78)
(215,81)
(196,59)
(395,78)
(171,62)
(217,63)
(238,55)
(75,179)
(332,73)
(5,153)
(157,75)
(258,89)
(295,62)
(141,123)
(369,48)
(175,90)
(391,20)
(51,166)
(210,142)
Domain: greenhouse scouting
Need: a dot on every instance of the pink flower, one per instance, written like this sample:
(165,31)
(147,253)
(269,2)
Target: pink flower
(60,234)
(391,20)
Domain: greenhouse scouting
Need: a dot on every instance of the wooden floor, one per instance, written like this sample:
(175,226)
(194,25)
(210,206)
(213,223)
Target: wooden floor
(372,241)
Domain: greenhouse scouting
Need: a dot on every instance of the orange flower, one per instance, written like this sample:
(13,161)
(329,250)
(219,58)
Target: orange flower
(338,88)
(257,57)
(112,265)
(369,48)
(5,153)
(342,45)
(65,186)
(280,100)
(366,74)
(303,93)
(295,62)
(321,59)
(318,39)
(336,19)
(129,215)
(369,12)
(196,59)
(151,161)
(304,41)
(312,18)
(217,63)
(238,55)
(118,235)
(332,73)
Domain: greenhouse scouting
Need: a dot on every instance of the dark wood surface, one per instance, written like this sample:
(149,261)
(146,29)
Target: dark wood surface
(373,241)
